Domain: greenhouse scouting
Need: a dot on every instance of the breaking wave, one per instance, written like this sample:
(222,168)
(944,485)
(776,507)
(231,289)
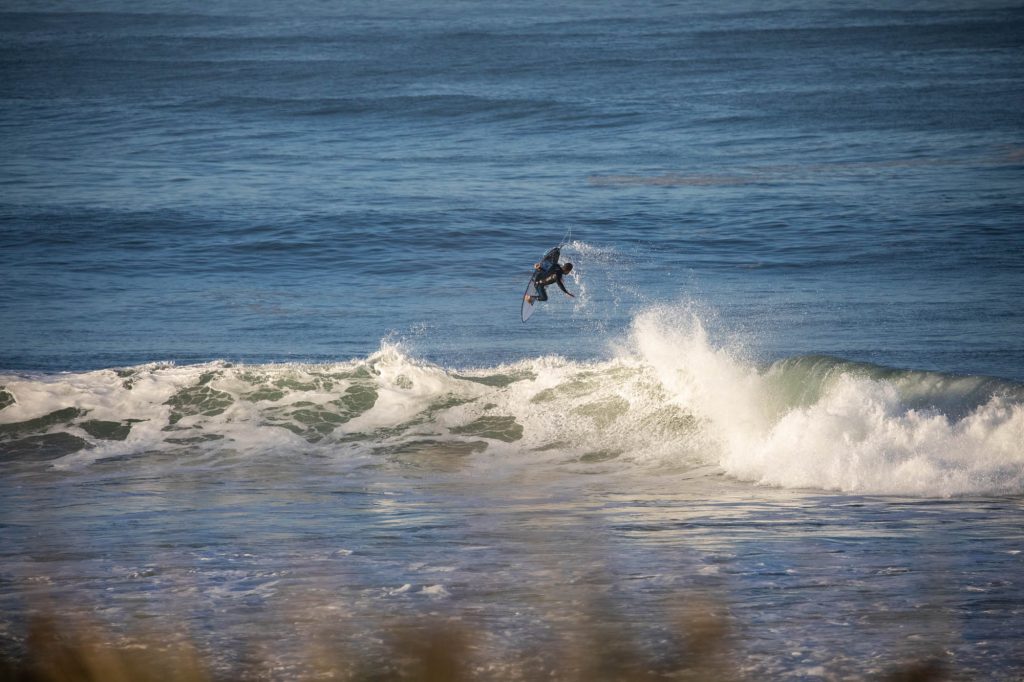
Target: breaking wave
(665,396)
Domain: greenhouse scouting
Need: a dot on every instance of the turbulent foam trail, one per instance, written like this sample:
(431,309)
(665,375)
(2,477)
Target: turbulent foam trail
(387,404)
(667,396)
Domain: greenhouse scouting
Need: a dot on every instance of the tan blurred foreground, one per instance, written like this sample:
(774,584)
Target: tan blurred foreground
(76,649)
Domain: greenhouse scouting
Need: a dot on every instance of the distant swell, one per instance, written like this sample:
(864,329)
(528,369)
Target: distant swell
(668,396)
(426,106)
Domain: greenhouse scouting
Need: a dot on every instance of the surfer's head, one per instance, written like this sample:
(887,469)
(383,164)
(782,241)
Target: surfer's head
(566,267)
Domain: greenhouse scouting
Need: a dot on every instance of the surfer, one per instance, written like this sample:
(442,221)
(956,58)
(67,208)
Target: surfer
(546,277)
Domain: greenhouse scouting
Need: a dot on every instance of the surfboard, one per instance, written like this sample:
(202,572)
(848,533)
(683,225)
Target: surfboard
(546,263)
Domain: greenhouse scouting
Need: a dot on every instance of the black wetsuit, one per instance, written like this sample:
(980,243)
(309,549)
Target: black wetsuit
(544,279)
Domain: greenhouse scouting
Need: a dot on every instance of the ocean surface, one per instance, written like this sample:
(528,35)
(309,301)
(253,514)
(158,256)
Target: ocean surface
(263,375)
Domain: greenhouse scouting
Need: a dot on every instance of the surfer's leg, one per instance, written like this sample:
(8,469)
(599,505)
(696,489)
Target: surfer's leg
(542,295)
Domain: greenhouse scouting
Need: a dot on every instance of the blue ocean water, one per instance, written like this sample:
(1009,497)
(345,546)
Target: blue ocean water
(270,257)
(277,184)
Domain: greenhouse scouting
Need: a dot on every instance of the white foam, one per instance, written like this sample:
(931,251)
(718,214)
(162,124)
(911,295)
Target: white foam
(858,436)
(405,388)
(435,591)
(670,395)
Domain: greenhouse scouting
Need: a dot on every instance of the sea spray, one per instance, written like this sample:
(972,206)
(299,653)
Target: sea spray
(700,378)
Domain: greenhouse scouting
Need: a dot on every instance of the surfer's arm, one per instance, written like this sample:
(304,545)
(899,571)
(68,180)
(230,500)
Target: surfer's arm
(562,287)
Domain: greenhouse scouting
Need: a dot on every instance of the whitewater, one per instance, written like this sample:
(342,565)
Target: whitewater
(667,396)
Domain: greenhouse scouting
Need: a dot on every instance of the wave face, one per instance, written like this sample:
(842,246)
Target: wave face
(666,395)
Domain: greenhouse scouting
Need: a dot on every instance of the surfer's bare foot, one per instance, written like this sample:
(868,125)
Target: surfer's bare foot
(528,299)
